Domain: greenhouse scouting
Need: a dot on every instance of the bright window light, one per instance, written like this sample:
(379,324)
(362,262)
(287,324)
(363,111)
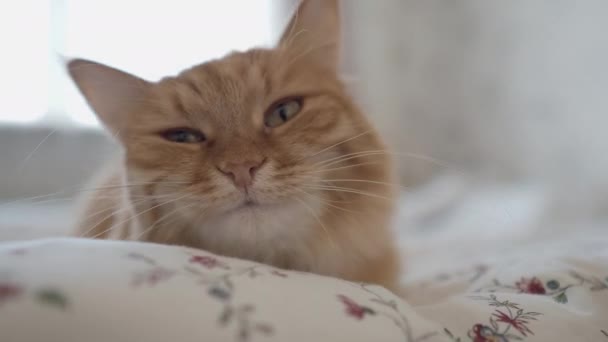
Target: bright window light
(24,65)
(151,39)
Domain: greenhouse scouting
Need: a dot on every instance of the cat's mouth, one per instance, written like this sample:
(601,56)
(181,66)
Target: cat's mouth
(250,203)
(247,203)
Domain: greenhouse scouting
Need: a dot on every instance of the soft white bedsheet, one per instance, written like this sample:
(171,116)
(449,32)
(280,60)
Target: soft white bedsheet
(481,266)
(84,290)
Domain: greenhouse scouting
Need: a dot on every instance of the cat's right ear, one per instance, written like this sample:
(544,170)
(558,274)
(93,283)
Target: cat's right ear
(111,93)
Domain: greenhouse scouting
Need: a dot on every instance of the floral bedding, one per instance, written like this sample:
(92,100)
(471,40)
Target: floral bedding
(85,290)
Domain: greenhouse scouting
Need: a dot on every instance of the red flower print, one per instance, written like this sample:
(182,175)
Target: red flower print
(206,261)
(531,285)
(152,276)
(516,322)
(353,309)
(9,291)
(483,333)
(158,275)
(508,322)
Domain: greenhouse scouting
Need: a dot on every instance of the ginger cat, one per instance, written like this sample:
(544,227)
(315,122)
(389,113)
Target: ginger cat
(259,155)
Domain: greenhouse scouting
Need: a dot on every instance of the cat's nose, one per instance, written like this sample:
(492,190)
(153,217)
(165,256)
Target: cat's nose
(241,173)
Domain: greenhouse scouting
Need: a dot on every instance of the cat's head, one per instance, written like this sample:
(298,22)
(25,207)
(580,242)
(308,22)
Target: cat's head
(255,131)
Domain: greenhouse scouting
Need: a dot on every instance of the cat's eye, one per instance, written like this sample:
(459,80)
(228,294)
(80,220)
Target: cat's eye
(183,135)
(282,111)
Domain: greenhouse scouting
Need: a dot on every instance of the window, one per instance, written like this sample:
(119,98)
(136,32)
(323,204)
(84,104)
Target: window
(148,38)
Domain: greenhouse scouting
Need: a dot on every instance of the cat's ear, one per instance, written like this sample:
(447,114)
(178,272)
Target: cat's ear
(314,33)
(111,93)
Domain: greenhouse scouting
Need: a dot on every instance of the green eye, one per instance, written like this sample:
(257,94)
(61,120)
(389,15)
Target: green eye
(281,112)
(183,135)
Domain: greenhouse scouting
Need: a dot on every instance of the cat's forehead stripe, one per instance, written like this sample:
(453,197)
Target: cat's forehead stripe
(226,81)
(177,103)
(192,85)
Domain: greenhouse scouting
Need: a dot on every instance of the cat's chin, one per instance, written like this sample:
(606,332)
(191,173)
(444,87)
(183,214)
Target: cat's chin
(249,205)
(251,225)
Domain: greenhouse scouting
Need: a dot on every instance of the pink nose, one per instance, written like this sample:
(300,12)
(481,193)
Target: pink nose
(241,173)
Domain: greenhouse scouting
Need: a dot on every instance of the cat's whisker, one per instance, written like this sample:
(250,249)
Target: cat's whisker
(314,185)
(354,155)
(29,199)
(297,187)
(66,199)
(45,201)
(40,200)
(138,215)
(162,219)
(429,159)
(323,170)
(325,202)
(338,144)
(346,190)
(176,230)
(136,200)
(349,156)
(81,190)
(113,212)
(312,212)
(365,181)
(31,154)
(330,201)
(71,199)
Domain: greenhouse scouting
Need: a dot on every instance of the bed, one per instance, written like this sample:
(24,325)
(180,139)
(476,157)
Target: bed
(488,274)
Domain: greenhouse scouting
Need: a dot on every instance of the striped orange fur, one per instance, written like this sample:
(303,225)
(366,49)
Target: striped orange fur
(319,196)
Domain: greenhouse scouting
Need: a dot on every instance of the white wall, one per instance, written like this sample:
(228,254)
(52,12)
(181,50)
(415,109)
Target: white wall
(512,89)
(519,84)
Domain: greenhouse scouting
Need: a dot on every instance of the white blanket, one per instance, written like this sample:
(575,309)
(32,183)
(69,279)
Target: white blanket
(480,267)
(83,290)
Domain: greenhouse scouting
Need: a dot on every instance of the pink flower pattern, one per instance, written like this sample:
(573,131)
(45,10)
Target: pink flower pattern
(152,276)
(507,322)
(355,310)
(551,288)
(208,262)
(531,285)
(9,291)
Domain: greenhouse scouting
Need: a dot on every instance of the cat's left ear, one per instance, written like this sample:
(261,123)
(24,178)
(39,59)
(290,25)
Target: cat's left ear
(313,33)
(111,93)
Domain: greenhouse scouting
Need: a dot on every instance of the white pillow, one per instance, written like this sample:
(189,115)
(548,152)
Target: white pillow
(85,290)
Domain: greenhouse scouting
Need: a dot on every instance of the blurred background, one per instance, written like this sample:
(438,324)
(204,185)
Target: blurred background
(496,110)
